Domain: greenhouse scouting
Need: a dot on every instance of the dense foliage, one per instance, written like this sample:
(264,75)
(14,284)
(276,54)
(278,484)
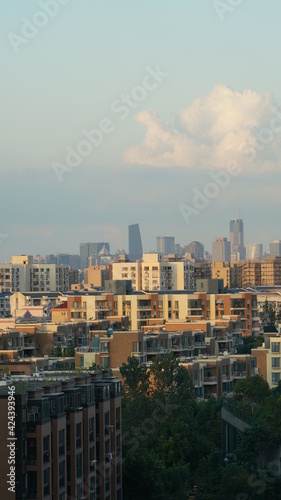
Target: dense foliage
(171,442)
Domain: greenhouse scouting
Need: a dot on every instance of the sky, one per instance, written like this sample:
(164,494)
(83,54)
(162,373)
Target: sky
(163,113)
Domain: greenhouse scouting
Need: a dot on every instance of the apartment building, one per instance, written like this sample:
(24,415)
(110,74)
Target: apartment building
(269,359)
(95,276)
(128,271)
(216,376)
(154,274)
(5,306)
(227,271)
(141,307)
(68,436)
(202,270)
(249,273)
(22,275)
(166,275)
(265,272)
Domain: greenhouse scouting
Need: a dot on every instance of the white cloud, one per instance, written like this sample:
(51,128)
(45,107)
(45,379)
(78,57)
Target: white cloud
(219,128)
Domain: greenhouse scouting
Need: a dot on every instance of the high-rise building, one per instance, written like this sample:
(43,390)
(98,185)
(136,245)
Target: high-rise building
(165,245)
(237,238)
(254,252)
(135,243)
(275,248)
(89,249)
(67,434)
(196,249)
(22,275)
(221,250)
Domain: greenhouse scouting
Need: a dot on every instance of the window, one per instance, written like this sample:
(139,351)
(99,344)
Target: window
(106,480)
(46,482)
(61,442)
(106,418)
(31,451)
(117,417)
(275,378)
(78,435)
(275,362)
(118,474)
(68,468)
(275,347)
(91,429)
(79,491)
(79,465)
(46,455)
(68,436)
(61,474)
(32,484)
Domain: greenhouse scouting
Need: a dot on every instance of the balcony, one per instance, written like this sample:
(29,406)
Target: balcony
(239,374)
(209,395)
(210,380)
(87,349)
(156,350)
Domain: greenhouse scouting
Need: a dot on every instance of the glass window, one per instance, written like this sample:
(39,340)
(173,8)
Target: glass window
(275,378)
(78,435)
(275,362)
(61,442)
(79,465)
(32,484)
(46,482)
(275,347)
(61,474)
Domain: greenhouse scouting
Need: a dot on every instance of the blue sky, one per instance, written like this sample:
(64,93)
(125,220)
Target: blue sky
(64,80)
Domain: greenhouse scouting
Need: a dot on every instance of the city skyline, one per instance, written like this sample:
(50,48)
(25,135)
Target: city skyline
(156,150)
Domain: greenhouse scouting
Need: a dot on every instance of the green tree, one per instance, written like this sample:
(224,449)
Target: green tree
(252,390)
(143,475)
(249,343)
(136,377)
(69,351)
(57,352)
(268,314)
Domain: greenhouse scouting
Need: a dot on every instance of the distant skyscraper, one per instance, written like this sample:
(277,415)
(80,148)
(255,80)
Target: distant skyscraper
(275,248)
(237,238)
(135,244)
(88,249)
(165,244)
(254,251)
(196,249)
(221,250)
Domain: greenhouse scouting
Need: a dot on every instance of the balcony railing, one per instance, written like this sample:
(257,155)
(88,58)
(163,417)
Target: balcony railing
(239,373)
(210,395)
(210,379)
(87,349)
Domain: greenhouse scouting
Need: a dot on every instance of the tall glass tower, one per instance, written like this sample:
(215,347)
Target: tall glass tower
(237,238)
(135,243)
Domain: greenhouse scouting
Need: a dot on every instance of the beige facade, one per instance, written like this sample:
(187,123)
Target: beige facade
(227,271)
(128,271)
(155,274)
(269,359)
(95,276)
(22,275)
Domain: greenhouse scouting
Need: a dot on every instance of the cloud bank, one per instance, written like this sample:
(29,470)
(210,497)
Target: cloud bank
(220,128)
